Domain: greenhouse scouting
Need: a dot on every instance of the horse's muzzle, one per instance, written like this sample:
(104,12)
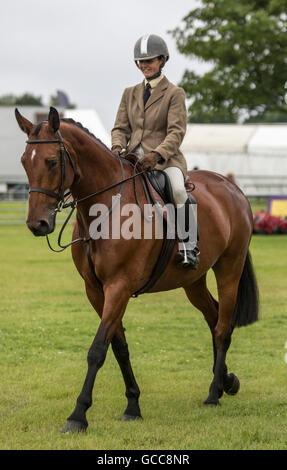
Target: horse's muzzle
(41,227)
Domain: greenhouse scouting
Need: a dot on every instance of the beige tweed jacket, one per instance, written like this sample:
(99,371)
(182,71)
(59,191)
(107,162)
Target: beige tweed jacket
(158,126)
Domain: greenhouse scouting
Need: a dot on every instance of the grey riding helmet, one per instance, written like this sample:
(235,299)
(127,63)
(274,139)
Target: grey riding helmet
(150,46)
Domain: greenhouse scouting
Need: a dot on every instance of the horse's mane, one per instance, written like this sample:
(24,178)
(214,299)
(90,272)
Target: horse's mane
(77,124)
(84,129)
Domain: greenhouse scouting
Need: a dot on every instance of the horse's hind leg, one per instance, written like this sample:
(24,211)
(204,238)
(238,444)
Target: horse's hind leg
(121,352)
(201,298)
(227,285)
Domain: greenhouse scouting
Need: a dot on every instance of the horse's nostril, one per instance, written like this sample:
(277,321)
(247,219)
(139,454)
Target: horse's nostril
(43,226)
(40,228)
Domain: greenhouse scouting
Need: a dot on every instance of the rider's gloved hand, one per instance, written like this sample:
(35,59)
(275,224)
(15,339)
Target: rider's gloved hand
(149,161)
(117,149)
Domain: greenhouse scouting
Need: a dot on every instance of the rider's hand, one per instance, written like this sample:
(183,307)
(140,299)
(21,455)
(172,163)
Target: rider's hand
(149,161)
(117,149)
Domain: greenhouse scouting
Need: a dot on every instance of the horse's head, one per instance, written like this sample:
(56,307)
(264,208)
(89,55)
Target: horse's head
(45,163)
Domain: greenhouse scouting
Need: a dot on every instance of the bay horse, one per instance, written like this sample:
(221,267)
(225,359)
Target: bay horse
(61,155)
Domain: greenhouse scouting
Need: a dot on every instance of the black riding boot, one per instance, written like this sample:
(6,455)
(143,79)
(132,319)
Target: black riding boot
(188,252)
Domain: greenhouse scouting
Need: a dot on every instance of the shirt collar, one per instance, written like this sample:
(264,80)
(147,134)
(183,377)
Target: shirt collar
(153,83)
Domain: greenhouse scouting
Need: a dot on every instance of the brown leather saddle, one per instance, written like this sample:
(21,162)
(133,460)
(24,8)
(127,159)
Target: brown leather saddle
(160,191)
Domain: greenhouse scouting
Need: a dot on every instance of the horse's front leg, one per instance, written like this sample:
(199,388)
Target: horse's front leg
(121,352)
(116,299)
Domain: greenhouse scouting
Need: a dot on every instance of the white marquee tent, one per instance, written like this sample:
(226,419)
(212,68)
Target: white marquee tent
(256,155)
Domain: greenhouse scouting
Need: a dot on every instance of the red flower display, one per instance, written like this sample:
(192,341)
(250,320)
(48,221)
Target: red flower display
(266,223)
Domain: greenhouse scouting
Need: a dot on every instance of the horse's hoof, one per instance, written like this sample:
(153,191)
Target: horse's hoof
(211,402)
(232,384)
(74,426)
(130,417)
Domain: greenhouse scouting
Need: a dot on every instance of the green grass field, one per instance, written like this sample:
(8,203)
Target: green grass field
(47,326)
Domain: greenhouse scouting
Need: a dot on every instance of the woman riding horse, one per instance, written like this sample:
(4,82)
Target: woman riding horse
(151,123)
(60,155)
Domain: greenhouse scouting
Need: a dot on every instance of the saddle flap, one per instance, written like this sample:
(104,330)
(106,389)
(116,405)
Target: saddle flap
(161,184)
(160,181)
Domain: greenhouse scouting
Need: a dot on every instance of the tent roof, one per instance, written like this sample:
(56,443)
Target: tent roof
(269,140)
(90,119)
(235,138)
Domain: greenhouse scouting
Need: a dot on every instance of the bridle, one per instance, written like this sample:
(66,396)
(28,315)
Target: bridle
(62,195)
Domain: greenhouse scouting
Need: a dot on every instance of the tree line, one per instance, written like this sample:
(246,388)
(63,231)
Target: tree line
(28,99)
(245,44)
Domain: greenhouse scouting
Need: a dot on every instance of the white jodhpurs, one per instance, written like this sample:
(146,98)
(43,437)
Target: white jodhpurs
(177,184)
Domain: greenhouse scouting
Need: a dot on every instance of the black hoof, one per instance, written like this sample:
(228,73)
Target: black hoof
(74,426)
(232,384)
(130,417)
(211,402)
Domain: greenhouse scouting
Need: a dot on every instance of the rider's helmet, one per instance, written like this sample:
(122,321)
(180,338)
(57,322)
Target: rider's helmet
(150,46)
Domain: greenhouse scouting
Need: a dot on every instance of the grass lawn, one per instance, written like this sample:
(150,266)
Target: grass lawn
(47,326)
(258,204)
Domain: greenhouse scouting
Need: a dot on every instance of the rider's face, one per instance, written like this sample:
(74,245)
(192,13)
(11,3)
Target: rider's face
(149,67)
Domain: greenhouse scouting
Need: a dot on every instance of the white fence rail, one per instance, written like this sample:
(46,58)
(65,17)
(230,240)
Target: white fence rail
(13,211)
(262,186)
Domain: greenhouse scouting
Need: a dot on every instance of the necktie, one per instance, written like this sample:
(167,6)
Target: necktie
(146,93)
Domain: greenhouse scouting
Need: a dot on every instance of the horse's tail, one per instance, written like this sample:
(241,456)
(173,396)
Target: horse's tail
(247,303)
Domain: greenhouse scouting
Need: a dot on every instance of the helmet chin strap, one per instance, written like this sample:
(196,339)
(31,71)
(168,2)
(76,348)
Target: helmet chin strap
(154,76)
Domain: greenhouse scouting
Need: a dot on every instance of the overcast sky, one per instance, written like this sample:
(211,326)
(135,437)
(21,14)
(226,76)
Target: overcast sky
(84,47)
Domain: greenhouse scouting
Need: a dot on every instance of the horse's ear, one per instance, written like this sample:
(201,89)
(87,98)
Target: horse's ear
(24,124)
(53,119)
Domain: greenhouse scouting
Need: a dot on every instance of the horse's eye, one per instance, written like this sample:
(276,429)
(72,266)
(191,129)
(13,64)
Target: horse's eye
(51,163)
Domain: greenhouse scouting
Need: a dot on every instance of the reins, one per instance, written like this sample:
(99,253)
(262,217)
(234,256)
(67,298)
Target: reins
(74,205)
(61,195)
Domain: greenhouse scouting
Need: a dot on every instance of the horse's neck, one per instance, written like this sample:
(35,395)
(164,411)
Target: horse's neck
(98,168)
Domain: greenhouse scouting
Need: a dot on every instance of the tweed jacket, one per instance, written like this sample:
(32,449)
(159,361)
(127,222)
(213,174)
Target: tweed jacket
(158,126)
